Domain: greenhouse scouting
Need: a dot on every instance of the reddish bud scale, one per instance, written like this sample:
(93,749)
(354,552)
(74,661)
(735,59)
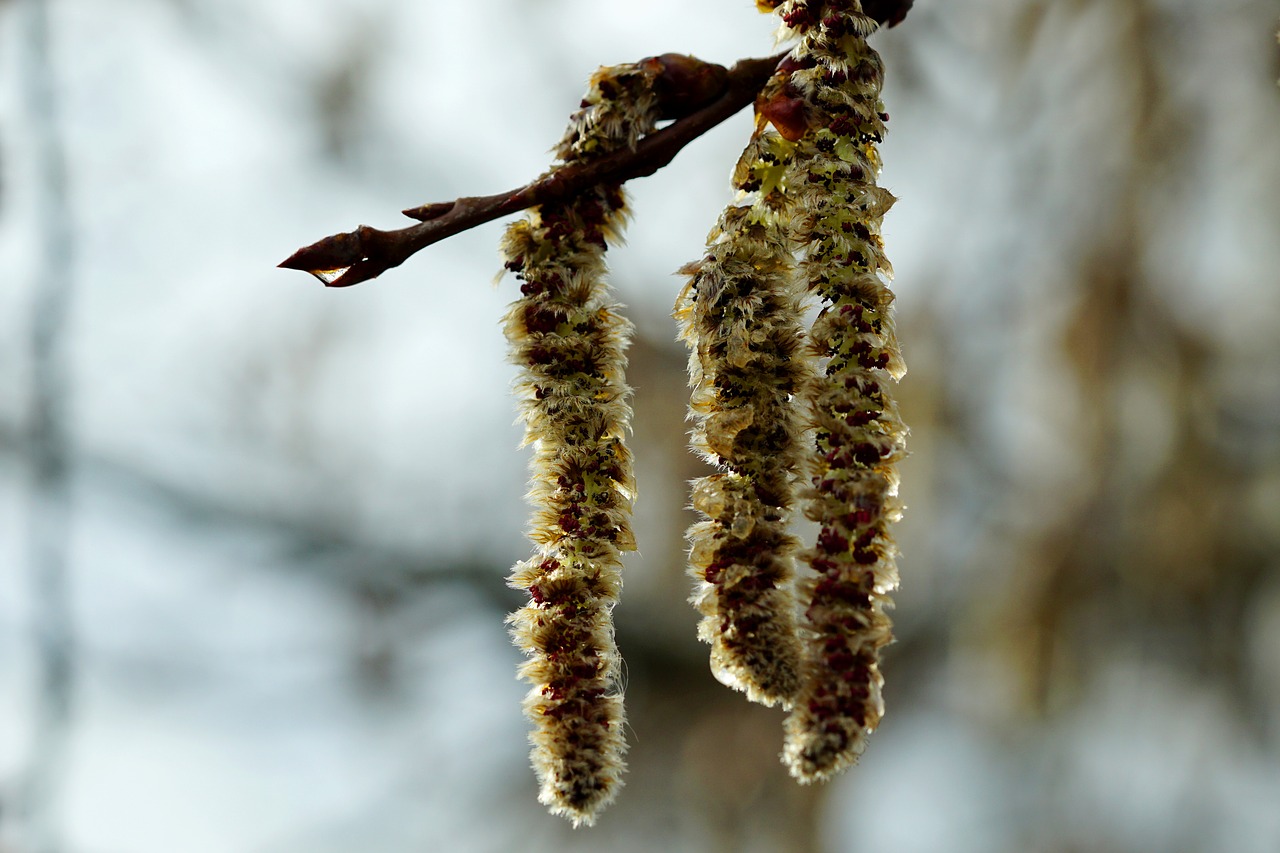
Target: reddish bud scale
(683,84)
(787,114)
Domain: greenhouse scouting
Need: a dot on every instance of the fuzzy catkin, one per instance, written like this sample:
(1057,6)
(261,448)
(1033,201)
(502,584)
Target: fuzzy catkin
(569,340)
(830,104)
(740,318)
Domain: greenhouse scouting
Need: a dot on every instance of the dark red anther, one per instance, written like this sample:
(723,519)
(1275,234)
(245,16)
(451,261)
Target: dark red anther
(586,670)
(832,542)
(540,319)
(539,355)
(866,454)
(555,711)
(825,566)
(841,126)
(835,78)
(841,660)
(800,18)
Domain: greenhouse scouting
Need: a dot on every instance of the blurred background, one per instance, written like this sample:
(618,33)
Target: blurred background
(254,534)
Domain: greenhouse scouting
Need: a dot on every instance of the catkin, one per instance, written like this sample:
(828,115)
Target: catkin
(569,340)
(830,104)
(740,317)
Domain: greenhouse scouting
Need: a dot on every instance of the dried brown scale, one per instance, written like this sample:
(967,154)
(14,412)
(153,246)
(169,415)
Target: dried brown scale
(857,435)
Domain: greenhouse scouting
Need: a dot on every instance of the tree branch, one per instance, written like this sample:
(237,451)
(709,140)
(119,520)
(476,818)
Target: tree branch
(351,257)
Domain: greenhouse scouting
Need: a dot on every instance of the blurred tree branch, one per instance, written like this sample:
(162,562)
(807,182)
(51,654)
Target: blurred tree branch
(39,787)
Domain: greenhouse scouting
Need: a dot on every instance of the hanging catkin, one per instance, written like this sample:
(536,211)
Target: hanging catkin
(569,340)
(830,105)
(740,317)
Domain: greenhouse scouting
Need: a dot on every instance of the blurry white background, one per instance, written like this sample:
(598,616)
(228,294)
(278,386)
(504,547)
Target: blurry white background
(253,549)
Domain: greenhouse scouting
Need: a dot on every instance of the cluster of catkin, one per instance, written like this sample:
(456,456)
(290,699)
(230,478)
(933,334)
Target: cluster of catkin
(796,421)
(776,407)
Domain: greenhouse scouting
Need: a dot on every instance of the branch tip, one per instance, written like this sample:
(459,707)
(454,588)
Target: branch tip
(428,212)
